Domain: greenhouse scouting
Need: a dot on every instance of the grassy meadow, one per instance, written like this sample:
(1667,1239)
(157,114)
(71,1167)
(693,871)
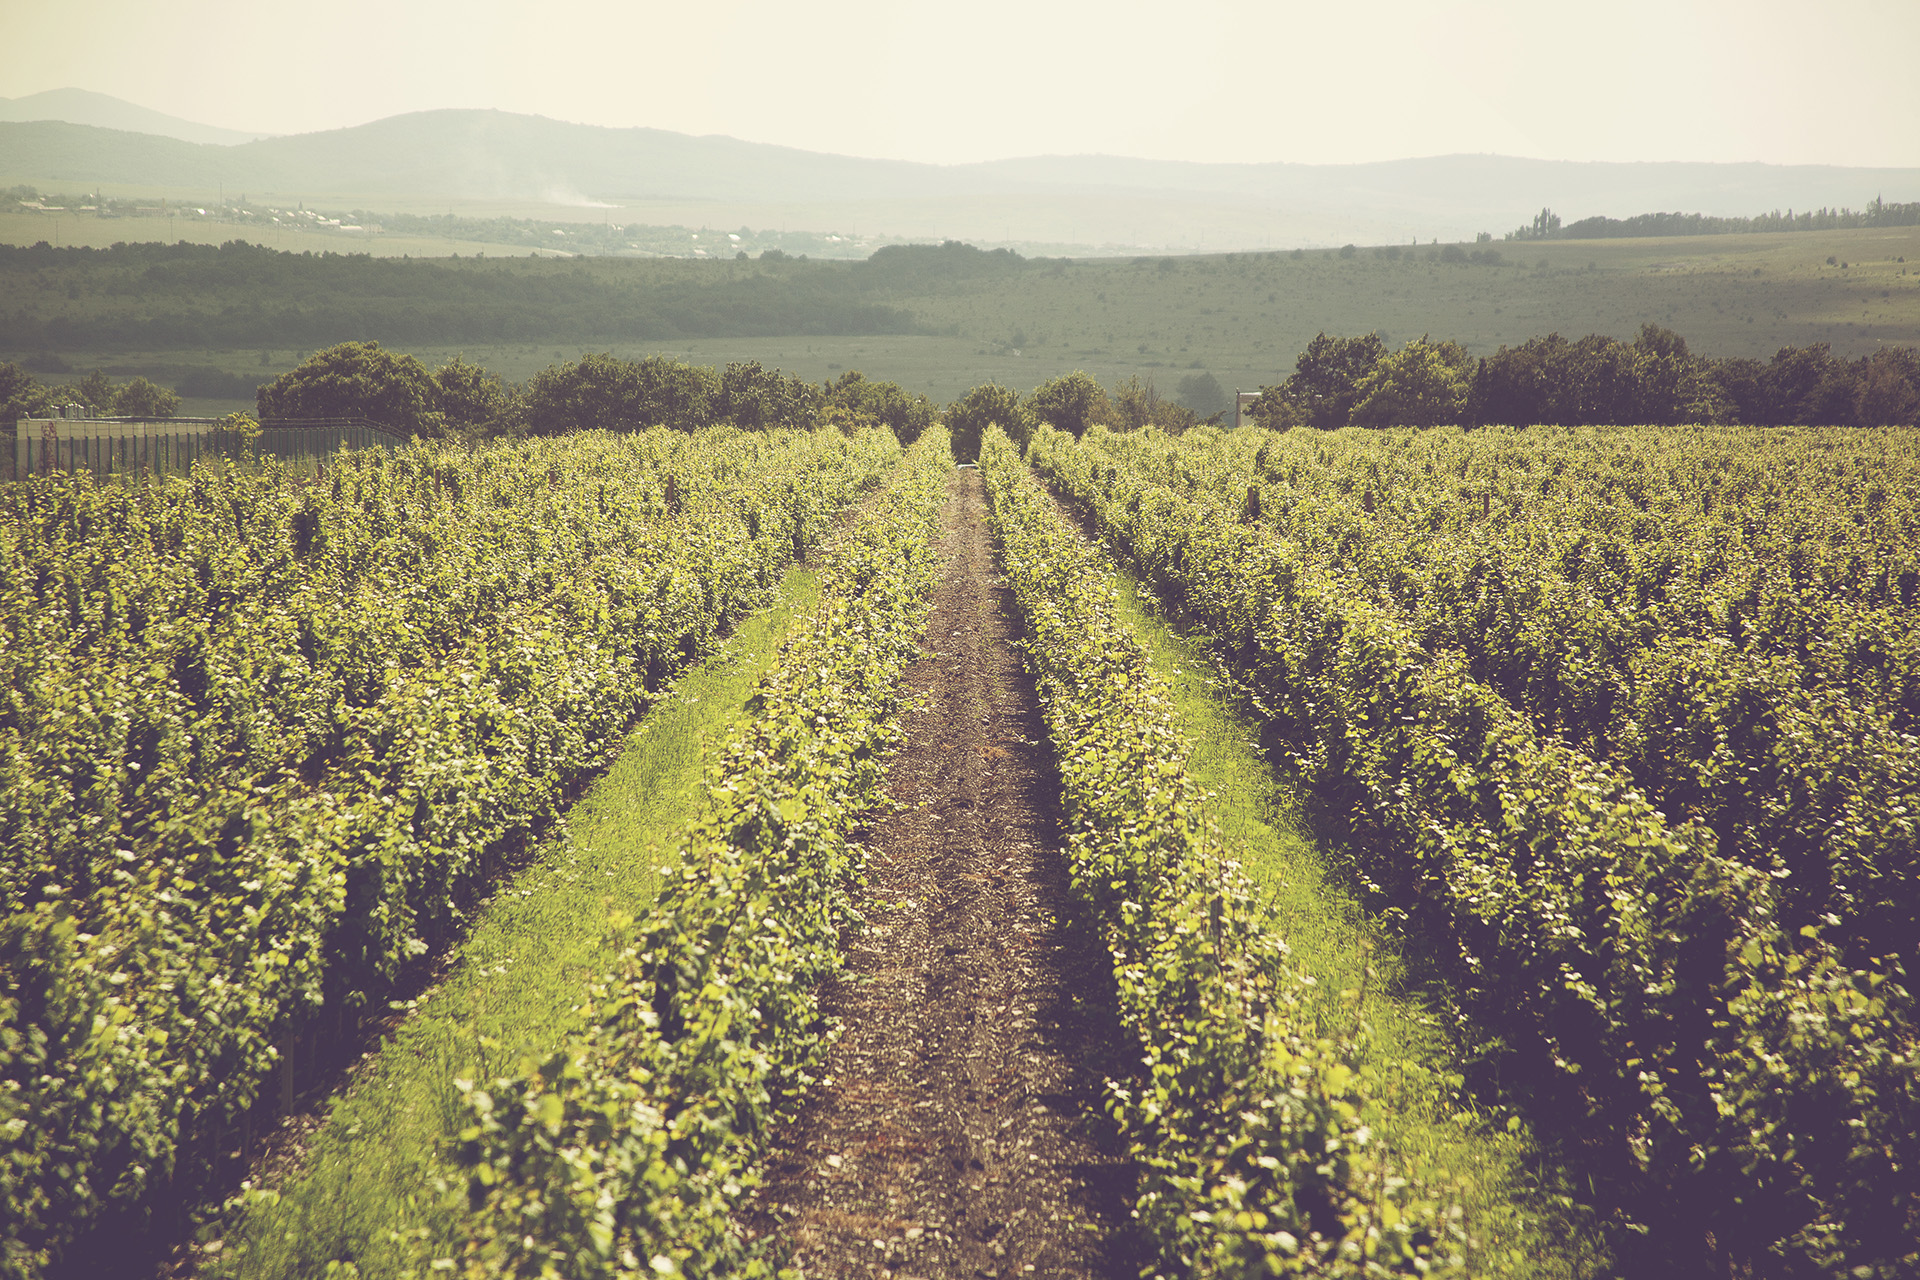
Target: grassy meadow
(69,229)
(1246,316)
(1242,316)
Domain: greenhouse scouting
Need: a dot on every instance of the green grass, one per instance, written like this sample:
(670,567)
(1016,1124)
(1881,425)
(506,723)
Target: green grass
(1512,1200)
(70,230)
(373,1168)
(1245,317)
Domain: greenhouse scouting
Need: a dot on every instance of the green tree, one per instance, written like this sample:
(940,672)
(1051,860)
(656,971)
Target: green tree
(20,396)
(1742,384)
(1137,403)
(605,392)
(754,398)
(94,390)
(1545,226)
(1134,403)
(245,428)
(472,401)
(1202,393)
(989,404)
(856,401)
(1424,384)
(1276,410)
(1654,379)
(1325,383)
(357,380)
(140,398)
(1889,387)
(1810,385)
(1671,385)
(1072,402)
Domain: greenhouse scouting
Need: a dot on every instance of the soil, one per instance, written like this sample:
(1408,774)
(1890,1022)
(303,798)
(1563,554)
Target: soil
(959,1130)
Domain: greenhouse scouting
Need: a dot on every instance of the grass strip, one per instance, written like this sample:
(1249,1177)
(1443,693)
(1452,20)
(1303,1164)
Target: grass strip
(1515,1213)
(1249,1118)
(266,742)
(626,1150)
(516,985)
(1737,1099)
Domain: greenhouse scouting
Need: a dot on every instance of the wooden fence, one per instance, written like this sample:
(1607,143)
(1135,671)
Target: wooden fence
(130,447)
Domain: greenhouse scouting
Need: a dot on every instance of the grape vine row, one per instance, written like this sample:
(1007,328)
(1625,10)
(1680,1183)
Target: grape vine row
(1739,1079)
(266,740)
(1248,1120)
(628,1150)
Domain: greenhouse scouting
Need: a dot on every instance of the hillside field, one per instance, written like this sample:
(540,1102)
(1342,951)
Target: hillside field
(1244,317)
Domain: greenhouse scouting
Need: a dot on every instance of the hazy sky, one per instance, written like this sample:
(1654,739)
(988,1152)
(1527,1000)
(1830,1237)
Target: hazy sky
(1787,81)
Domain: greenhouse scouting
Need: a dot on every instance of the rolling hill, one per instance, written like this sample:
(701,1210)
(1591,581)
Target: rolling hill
(434,159)
(83,106)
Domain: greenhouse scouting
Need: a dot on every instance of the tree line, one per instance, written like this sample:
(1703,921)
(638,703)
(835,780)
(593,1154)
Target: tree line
(1595,380)
(1337,382)
(156,297)
(467,401)
(464,400)
(24,396)
(1547,224)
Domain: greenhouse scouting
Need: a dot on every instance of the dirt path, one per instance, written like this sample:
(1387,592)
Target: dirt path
(960,1132)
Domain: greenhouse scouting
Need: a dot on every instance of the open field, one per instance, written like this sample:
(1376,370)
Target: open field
(1244,317)
(1735,295)
(384,201)
(66,230)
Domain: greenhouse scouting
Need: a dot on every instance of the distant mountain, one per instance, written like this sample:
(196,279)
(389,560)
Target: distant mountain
(469,155)
(82,106)
(494,155)
(460,155)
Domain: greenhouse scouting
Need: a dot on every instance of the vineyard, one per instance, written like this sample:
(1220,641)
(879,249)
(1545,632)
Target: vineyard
(1621,725)
(1613,734)
(267,741)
